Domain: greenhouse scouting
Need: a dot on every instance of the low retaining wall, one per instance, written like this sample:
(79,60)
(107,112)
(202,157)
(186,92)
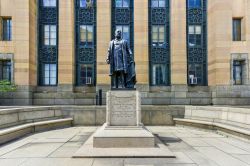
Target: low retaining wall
(16,116)
(85,115)
(239,117)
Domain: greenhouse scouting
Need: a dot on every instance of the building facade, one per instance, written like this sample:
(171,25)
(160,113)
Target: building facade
(186,51)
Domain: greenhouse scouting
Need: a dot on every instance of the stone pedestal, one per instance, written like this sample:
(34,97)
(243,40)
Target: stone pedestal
(123,126)
(123,108)
(123,134)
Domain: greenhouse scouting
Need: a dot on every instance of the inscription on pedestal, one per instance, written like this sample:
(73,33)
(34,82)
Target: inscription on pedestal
(122,108)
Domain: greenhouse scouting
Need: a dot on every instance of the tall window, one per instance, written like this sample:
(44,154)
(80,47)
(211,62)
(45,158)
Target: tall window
(236,29)
(158,3)
(194,35)
(85,42)
(158,35)
(49,74)
(50,34)
(86,32)
(122,3)
(7,29)
(196,42)
(47,42)
(159,42)
(49,3)
(194,3)
(125,31)
(5,70)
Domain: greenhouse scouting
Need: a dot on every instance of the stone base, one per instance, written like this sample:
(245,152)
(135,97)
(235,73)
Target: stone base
(123,108)
(123,137)
(159,150)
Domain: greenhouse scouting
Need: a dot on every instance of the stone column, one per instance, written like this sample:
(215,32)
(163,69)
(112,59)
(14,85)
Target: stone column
(33,43)
(66,62)
(141,41)
(20,39)
(103,38)
(178,43)
(178,37)
(220,41)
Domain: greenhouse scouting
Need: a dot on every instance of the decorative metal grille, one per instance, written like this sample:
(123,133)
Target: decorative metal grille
(46,53)
(159,54)
(159,15)
(86,15)
(195,15)
(197,54)
(47,15)
(85,54)
(123,16)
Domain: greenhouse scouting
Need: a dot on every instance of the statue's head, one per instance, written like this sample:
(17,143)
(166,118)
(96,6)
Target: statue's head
(118,34)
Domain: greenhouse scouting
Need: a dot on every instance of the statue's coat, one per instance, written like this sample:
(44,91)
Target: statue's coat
(128,62)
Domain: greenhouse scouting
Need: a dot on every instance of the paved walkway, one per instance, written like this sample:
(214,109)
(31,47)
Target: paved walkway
(191,146)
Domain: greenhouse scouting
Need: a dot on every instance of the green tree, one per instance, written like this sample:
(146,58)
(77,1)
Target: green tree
(6,86)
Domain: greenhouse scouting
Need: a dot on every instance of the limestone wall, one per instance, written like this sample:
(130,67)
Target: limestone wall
(85,115)
(23,47)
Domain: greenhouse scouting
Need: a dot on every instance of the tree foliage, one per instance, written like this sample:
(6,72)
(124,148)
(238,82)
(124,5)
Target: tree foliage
(6,86)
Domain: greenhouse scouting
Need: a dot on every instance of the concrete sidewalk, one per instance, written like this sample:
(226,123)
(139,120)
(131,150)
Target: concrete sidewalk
(191,146)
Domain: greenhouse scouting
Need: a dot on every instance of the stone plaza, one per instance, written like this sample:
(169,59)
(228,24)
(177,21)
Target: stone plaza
(192,147)
(204,137)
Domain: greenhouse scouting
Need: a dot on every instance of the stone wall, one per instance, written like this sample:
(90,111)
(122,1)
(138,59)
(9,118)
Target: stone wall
(21,50)
(237,117)
(85,115)
(22,96)
(174,95)
(231,95)
(220,91)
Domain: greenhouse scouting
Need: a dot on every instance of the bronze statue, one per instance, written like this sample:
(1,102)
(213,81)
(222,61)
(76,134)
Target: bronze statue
(122,65)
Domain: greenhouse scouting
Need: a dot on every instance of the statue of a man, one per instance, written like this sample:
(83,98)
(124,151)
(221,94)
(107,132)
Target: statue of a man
(122,66)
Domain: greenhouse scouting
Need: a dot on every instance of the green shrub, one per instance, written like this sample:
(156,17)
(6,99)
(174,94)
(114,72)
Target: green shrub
(6,86)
